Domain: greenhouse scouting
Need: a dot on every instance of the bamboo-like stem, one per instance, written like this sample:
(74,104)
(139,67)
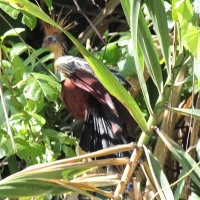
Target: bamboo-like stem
(103,152)
(128,172)
(169,121)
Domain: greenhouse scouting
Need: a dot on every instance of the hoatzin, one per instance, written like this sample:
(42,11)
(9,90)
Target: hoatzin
(106,121)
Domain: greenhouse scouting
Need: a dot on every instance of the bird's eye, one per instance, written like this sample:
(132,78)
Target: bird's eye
(52,39)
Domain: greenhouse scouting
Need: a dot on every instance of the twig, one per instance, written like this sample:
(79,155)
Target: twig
(74,9)
(99,18)
(84,15)
(6,114)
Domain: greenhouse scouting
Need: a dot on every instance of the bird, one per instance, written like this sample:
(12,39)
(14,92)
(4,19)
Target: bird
(106,121)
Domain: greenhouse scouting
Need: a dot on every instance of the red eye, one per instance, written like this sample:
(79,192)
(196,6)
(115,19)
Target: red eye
(50,39)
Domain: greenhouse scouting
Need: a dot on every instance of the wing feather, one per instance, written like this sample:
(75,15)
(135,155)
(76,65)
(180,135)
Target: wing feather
(89,83)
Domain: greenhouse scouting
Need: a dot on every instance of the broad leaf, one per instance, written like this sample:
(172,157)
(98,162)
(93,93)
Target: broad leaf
(192,40)
(9,9)
(12,32)
(37,86)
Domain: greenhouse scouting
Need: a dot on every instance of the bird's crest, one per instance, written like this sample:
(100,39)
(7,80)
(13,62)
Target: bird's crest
(63,22)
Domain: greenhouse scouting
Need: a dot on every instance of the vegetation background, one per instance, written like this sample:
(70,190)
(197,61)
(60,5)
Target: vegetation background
(155,45)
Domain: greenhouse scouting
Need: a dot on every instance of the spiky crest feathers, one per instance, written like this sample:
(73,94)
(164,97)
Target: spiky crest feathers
(52,30)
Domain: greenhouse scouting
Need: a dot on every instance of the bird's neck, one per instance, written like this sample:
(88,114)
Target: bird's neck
(57,54)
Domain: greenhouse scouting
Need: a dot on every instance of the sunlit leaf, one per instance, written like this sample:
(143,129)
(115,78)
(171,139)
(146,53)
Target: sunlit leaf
(9,9)
(37,86)
(134,14)
(18,49)
(192,40)
(184,10)
(111,53)
(194,113)
(159,177)
(156,10)
(68,151)
(150,53)
(12,32)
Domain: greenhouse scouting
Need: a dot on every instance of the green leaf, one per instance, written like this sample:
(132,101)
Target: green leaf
(40,120)
(37,86)
(111,53)
(5,144)
(188,164)
(19,122)
(127,66)
(18,49)
(32,187)
(194,113)
(126,8)
(12,12)
(184,10)
(23,149)
(38,52)
(174,11)
(134,13)
(35,106)
(68,151)
(159,177)
(192,40)
(12,32)
(159,19)
(29,20)
(18,68)
(48,3)
(180,185)
(150,53)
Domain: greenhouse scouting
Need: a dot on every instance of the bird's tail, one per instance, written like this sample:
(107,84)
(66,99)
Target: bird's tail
(97,134)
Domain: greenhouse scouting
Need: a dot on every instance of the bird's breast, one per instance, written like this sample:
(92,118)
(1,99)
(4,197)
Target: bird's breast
(75,99)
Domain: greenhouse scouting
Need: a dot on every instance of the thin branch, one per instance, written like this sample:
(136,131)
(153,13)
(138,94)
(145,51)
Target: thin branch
(92,25)
(6,114)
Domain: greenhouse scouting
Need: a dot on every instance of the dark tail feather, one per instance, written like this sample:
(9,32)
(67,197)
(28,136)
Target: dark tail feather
(97,134)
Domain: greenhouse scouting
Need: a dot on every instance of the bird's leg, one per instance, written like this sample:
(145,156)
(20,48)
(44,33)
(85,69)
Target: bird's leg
(71,127)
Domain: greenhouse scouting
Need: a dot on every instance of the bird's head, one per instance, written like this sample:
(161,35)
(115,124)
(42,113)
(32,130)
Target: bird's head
(54,38)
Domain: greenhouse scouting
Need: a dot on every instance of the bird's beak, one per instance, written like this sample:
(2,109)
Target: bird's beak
(45,44)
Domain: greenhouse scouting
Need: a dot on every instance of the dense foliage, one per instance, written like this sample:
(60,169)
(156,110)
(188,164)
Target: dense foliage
(154,45)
